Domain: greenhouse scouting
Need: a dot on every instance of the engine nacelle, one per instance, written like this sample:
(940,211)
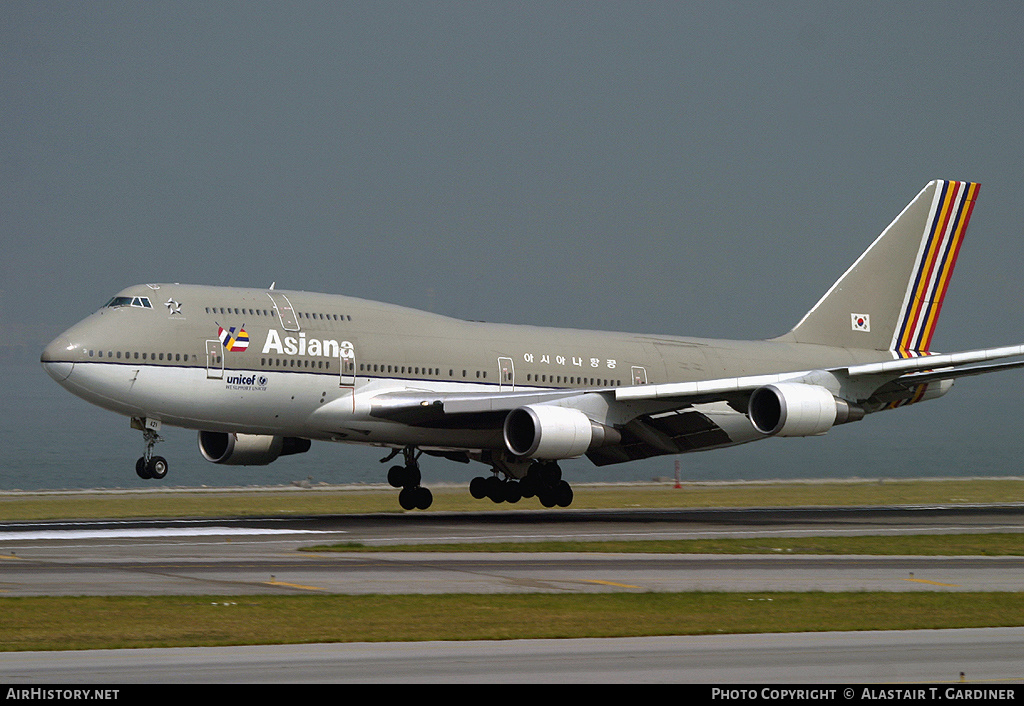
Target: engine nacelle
(797,409)
(550,433)
(248,449)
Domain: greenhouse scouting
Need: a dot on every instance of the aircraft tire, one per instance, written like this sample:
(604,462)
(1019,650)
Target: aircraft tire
(527,487)
(407,499)
(496,489)
(478,488)
(415,498)
(395,476)
(412,477)
(424,498)
(140,468)
(563,494)
(513,493)
(550,474)
(157,467)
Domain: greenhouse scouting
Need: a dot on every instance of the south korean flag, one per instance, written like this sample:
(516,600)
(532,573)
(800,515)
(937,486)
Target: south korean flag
(861,322)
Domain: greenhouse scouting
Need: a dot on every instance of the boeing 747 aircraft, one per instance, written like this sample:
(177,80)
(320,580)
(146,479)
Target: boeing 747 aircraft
(261,373)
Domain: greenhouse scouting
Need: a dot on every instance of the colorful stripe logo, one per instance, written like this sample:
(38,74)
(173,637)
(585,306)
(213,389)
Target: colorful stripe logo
(940,245)
(916,397)
(235,342)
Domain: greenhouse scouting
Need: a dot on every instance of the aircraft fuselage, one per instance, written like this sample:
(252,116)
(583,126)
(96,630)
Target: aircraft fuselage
(306,352)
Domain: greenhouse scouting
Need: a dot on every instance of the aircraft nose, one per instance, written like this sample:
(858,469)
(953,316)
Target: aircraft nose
(56,359)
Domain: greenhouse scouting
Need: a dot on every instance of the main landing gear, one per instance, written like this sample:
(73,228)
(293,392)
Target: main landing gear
(513,480)
(413,496)
(542,479)
(150,467)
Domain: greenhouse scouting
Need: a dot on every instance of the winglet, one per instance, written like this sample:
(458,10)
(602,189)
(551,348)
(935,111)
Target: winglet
(890,298)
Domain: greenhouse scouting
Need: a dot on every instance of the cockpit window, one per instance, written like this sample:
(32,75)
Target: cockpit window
(139,302)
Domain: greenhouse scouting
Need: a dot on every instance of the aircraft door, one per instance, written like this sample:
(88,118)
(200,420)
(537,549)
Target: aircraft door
(506,375)
(289,321)
(639,375)
(347,358)
(214,360)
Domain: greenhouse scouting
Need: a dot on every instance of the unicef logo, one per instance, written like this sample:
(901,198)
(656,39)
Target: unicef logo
(263,381)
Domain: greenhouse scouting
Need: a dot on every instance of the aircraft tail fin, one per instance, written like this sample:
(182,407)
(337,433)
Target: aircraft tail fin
(890,298)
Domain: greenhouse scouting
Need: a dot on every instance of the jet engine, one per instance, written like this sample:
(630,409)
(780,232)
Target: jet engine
(797,409)
(248,449)
(551,433)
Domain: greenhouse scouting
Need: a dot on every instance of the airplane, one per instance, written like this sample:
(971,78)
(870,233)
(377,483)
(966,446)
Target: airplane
(261,373)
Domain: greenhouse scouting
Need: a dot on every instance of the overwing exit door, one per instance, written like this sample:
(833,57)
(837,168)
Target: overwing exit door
(506,374)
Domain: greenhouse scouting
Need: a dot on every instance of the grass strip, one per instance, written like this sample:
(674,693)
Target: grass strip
(70,623)
(993,544)
(248,502)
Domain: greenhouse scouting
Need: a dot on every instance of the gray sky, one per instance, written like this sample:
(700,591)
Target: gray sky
(687,168)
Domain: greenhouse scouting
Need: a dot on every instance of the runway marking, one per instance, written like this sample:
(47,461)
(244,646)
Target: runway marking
(137,533)
(611,583)
(933,583)
(293,585)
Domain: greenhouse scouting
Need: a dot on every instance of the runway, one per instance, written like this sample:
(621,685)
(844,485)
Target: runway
(262,556)
(990,657)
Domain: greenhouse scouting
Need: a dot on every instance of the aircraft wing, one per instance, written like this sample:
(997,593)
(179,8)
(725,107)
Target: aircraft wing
(426,406)
(673,418)
(941,367)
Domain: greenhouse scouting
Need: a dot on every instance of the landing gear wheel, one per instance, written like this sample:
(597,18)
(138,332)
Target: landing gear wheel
(424,498)
(478,488)
(150,467)
(413,496)
(395,476)
(528,487)
(417,498)
(550,474)
(157,467)
(406,499)
(563,494)
(544,479)
(495,489)
(513,493)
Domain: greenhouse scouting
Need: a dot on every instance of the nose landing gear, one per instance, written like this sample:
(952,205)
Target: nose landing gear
(150,467)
